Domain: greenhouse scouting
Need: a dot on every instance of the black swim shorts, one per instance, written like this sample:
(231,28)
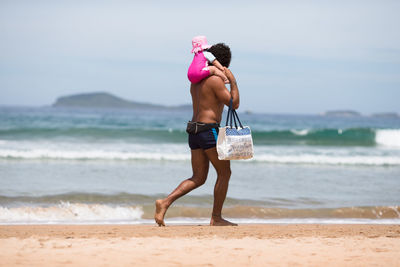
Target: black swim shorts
(204,140)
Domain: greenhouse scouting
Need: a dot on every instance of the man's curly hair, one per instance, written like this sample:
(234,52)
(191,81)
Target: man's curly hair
(222,53)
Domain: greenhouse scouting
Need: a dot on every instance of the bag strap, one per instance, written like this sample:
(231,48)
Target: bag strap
(237,117)
(229,116)
(232,116)
(229,113)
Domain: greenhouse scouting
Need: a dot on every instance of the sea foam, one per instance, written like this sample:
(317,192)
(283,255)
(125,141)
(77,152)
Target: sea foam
(262,156)
(329,160)
(90,155)
(80,213)
(387,153)
(300,132)
(66,212)
(388,137)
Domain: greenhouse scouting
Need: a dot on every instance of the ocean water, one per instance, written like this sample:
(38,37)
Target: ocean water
(109,166)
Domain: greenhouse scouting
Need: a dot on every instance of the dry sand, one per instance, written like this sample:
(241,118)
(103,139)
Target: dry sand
(245,245)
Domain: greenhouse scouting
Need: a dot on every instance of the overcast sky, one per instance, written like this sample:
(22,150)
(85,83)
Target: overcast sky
(288,56)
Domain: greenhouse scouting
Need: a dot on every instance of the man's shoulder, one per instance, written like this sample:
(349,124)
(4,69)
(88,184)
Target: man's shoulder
(214,81)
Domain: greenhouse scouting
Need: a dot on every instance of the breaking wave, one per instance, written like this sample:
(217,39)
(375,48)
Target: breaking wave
(66,212)
(312,137)
(388,137)
(183,155)
(80,207)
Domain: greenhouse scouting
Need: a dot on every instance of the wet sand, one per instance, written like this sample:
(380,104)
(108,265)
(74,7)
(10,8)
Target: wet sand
(197,245)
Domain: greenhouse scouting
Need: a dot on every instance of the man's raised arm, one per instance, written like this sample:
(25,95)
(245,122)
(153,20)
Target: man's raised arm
(223,93)
(234,88)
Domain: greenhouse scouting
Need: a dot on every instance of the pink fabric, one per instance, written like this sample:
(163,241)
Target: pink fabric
(198,70)
(199,43)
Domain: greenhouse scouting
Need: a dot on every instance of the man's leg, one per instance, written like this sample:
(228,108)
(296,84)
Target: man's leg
(223,168)
(200,166)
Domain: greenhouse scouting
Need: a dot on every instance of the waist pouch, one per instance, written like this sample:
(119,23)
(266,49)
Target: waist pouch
(194,127)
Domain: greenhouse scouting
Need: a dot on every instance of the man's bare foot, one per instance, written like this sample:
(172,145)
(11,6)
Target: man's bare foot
(218,221)
(161,208)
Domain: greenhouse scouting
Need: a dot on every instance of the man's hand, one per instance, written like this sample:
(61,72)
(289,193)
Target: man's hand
(223,94)
(234,89)
(229,75)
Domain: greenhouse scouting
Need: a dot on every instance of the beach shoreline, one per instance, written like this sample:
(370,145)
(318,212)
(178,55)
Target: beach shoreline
(194,245)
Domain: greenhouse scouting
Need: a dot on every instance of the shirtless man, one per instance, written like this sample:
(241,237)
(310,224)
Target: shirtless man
(208,98)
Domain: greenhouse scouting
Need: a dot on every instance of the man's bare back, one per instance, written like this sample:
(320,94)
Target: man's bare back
(206,107)
(209,97)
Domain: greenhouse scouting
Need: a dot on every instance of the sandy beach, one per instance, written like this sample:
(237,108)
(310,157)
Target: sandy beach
(200,245)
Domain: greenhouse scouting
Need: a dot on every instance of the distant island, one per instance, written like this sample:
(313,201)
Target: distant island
(386,115)
(107,100)
(352,113)
(342,113)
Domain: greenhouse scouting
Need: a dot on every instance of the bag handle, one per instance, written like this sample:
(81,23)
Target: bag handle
(232,116)
(237,117)
(229,113)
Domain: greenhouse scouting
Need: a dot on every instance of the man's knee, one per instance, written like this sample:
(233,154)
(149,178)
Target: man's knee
(199,180)
(225,173)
